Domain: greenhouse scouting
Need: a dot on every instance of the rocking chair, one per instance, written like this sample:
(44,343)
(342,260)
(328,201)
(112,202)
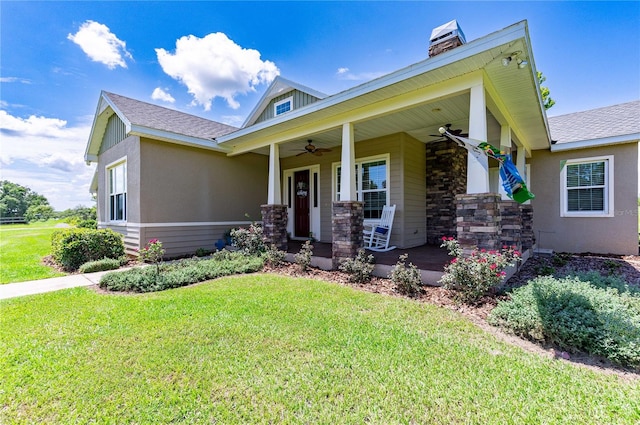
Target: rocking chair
(377,234)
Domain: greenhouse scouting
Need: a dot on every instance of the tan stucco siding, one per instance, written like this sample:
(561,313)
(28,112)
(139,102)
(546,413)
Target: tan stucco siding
(183,184)
(614,235)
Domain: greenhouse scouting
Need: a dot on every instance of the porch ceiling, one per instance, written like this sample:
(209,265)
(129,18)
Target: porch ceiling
(512,98)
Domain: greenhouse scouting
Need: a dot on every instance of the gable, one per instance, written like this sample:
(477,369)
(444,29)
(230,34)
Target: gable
(298,100)
(115,132)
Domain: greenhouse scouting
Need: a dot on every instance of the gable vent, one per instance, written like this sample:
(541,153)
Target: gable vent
(445,37)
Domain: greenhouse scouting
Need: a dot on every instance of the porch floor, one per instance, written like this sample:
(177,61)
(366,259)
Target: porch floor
(425,257)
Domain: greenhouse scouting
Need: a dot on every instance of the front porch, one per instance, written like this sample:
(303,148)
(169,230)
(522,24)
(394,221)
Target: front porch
(429,259)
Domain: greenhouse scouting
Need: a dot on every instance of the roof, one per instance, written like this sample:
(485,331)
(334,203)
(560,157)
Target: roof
(519,102)
(145,119)
(602,126)
(278,87)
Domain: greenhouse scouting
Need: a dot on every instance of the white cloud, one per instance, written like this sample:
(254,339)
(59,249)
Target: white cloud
(344,73)
(14,80)
(215,66)
(159,94)
(46,155)
(101,45)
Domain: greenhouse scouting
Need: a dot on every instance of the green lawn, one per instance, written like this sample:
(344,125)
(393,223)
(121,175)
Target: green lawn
(22,247)
(270,349)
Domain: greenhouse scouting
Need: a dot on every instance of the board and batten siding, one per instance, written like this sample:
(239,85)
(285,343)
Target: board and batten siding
(113,134)
(414,231)
(300,99)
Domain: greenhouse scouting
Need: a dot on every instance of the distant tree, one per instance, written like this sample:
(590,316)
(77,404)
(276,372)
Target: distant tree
(547,102)
(16,199)
(39,212)
(81,212)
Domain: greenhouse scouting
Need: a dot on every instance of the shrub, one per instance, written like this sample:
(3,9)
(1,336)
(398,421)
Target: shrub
(152,253)
(474,275)
(406,277)
(360,268)
(181,273)
(576,316)
(274,256)
(71,248)
(203,252)
(303,258)
(102,265)
(251,240)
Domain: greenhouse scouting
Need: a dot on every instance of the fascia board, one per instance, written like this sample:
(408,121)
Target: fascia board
(594,143)
(488,42)
(181,139)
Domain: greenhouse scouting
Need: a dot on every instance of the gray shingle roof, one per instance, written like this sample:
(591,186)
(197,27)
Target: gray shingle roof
(165,119)
(617,120)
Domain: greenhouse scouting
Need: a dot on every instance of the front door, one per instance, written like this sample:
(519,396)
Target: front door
(302,193)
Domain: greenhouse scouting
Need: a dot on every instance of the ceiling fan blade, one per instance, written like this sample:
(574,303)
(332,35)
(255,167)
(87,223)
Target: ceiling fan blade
(301,153)
(322,150)
(317,152)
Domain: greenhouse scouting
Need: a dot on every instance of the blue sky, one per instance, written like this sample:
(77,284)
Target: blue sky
(55,57)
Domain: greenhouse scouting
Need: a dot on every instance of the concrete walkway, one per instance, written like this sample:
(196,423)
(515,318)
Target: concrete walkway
(19,289)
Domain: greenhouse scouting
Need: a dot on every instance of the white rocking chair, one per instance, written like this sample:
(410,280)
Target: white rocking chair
(377,234)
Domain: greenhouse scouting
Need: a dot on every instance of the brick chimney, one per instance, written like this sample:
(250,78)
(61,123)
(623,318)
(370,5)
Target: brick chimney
(445,37)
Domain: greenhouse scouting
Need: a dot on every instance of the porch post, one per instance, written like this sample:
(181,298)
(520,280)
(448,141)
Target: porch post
(274,214)
(348,165)
(273,195)
(347,216)
(477,166)
(521,161)
(505,146)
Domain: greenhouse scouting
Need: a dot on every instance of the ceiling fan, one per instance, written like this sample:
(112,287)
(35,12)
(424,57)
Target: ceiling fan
(455,132)
(313,150)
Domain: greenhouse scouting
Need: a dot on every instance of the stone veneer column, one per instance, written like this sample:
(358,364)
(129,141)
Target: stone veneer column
(346,227)
(478,221)
(274,224)
(528,237)
(446,178)
(511,224)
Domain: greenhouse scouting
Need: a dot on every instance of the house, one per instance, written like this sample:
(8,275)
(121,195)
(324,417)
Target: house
(313,165)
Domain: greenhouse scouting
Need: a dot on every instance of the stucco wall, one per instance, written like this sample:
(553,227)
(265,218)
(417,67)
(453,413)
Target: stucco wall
(614,235)
(183,184)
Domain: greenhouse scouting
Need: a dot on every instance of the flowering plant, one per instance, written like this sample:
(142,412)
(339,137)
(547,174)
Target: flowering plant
(152,252)
(472,276)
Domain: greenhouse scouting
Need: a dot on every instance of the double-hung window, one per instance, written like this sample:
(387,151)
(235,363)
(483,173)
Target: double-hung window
(372,177)
(117,182)
(587,187)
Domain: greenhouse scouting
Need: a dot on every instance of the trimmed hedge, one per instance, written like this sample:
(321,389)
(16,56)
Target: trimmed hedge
(181,273)
(576,315)
(101,265)
(71,248)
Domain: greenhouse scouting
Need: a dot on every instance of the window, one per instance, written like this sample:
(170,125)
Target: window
(283,106)
(371,185)
(587,187)
(117,176)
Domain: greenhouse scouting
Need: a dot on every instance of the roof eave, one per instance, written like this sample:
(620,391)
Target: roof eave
(594,143)
(181,139)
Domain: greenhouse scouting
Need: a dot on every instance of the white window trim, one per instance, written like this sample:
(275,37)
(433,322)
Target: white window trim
(334,178)
(107,199)
(608,187)
(280,102)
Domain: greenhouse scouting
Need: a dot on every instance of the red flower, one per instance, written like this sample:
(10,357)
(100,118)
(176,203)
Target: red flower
(450,238)
(493,266)
(444,238)
(455,260)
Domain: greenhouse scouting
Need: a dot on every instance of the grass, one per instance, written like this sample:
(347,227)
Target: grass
(271,349)
(22,247)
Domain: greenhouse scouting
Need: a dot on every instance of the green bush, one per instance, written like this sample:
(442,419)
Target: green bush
(71,248)
(406,277)
(360,268)
(181,273)
(303,257)
(101,265)
(251,240)
(274,256)
(576,316)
